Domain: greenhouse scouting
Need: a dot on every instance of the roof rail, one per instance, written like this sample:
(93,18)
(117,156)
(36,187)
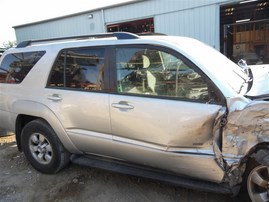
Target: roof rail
(151,34)
(118,35)
(125,35)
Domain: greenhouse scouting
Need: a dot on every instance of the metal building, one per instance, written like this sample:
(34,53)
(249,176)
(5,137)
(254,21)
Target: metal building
(236,28)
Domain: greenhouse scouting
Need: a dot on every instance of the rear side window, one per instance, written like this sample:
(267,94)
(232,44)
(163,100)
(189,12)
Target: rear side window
(15,66)
(81,69)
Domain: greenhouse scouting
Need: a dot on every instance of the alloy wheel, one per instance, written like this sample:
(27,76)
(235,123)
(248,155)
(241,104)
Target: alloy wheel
(258,184)
(40,148)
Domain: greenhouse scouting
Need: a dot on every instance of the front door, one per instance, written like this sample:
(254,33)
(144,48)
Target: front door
(164,110)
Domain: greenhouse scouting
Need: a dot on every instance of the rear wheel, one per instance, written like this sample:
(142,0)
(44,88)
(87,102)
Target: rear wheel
(42,147)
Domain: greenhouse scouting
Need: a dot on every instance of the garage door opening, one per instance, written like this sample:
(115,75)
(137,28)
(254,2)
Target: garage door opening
(244,31)
(137,26)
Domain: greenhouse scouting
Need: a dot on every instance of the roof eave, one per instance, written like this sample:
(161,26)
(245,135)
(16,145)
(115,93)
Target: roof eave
(79,13)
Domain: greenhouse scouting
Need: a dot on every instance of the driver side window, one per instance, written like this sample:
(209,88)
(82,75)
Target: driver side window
(158,73)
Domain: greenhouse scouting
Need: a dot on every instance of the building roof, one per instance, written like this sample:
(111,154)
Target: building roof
(79,13)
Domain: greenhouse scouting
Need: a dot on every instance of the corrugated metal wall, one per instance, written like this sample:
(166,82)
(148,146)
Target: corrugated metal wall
(153,8)
(69,26)
(194,18)
(201,23)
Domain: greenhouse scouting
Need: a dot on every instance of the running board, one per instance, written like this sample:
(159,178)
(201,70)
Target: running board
(149,173)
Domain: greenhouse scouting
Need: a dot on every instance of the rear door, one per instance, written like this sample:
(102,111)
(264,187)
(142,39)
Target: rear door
(76,93)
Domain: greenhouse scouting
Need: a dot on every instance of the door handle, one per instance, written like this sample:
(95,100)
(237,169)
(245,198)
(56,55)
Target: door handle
(55,97)
(122,105)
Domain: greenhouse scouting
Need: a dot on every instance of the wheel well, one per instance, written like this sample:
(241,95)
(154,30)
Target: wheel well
(261,146)
(256,155)
(21,121)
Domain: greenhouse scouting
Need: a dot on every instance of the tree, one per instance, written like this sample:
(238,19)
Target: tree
(9,44)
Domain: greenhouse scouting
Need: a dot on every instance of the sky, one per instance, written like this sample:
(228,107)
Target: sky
(18,12)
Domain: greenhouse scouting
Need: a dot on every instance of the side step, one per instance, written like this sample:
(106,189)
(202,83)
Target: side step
(149,173)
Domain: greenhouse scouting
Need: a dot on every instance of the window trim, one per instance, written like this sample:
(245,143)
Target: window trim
(110,72)
(106,69)
(43,52)
(174,53)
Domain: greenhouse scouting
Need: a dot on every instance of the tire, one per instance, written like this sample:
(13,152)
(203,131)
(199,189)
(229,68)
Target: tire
(255,185)
(42,147)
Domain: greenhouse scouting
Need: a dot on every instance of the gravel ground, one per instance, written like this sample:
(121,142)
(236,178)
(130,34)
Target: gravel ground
(20,182)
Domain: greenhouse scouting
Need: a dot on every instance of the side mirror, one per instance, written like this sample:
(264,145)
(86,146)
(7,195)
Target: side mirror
(243,64)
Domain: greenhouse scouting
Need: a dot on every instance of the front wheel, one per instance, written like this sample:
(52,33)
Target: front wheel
(255,185)
(42,147)
(258,184)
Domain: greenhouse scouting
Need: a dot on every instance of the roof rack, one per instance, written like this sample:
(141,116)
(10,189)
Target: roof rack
(118,35)
(151,34)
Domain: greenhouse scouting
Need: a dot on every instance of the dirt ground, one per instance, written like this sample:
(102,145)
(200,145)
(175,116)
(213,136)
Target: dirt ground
(20,182)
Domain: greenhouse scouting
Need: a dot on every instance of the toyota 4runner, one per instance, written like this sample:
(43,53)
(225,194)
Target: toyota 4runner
(163,107)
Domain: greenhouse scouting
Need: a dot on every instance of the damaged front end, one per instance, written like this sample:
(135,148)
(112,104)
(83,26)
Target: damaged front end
(245,135)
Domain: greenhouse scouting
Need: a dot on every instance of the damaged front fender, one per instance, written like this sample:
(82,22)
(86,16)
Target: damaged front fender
(247,126)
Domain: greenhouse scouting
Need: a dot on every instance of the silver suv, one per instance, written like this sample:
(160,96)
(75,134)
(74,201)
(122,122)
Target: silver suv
(162,107)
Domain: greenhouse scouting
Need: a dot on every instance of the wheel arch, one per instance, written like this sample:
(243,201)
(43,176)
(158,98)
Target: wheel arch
(27,111)
(257,155)
(259,152)
(21,121)
(236,170)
